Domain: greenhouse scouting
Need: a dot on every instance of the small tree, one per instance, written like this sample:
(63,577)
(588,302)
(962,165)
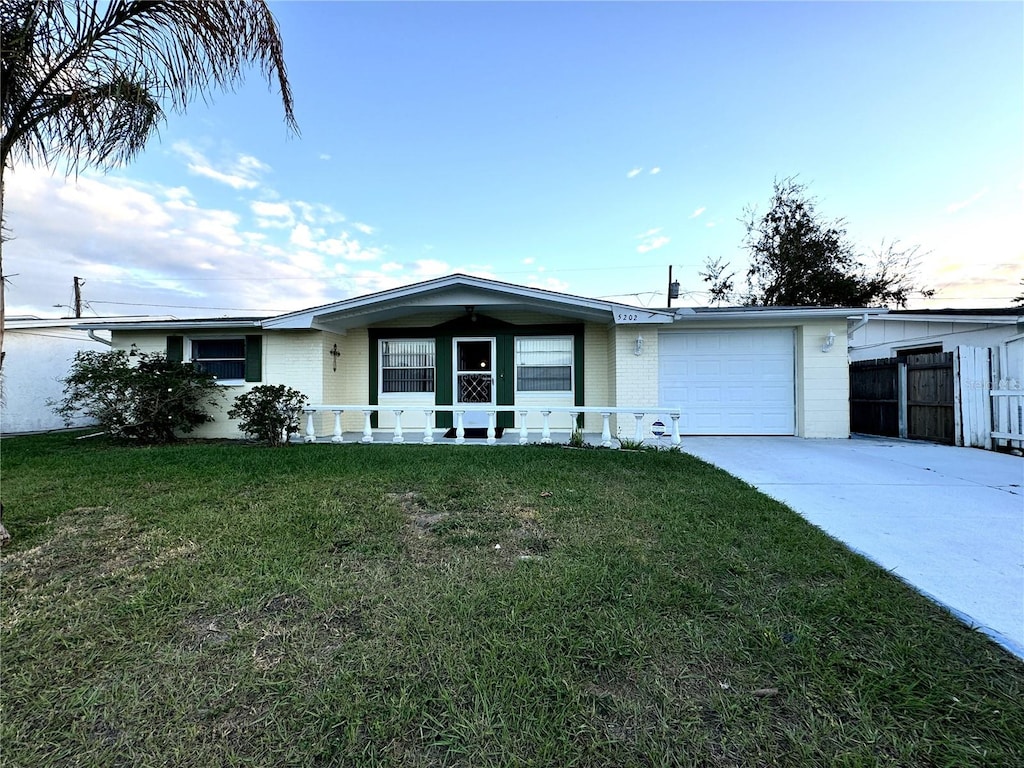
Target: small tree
(150,401)
(798,258)
(269,413)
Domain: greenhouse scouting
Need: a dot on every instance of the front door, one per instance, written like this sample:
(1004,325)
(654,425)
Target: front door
(474,377)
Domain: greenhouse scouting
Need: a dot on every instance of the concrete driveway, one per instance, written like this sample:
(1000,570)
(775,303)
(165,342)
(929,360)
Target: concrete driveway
(950,521)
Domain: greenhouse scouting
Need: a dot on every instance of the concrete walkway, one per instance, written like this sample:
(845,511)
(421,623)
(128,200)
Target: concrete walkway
(950,521)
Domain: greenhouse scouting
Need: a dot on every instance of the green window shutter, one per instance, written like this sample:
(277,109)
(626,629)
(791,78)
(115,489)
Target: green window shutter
(577,349)
(504,366)
(253,358)
(443,394)
(175,348)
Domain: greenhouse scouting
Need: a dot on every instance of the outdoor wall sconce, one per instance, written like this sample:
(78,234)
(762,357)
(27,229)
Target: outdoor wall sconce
(638,348)
(471,311)
(335,354)
(830,341)
(134,352)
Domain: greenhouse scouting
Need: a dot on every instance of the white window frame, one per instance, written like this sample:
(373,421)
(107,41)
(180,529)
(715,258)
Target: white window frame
(190,342)
(545,392)
(380,370)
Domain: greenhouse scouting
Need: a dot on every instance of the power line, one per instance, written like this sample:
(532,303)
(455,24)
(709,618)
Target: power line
(184,306)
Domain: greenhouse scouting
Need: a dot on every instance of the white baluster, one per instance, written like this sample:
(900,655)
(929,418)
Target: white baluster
(573,423)
(310,428)
(676,440)
(639,435)
(460,431)
(545,432)
(606,430)
(398,438)
(492,420)
(337,438)
(428,430)
(524,436)
(367,430)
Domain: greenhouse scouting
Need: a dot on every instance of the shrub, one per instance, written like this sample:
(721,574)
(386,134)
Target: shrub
(269,413)
(150,401)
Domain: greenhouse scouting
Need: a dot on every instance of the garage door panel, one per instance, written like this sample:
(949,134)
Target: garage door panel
(730,382)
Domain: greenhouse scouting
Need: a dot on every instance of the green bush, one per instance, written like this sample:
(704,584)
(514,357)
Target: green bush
(269,413)
(149,402)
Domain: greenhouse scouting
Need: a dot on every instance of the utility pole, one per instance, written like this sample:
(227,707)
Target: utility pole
(673,287)
(78,296)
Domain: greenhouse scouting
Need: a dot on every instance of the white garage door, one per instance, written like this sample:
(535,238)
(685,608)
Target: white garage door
(729,382)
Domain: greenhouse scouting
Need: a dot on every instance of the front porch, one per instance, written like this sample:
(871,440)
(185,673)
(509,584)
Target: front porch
(648,425)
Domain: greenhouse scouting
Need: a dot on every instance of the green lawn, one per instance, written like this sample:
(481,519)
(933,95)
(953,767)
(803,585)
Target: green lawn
(223,604)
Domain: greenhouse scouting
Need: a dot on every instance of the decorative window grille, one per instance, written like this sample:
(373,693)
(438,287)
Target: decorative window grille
(544,364)
(407,366)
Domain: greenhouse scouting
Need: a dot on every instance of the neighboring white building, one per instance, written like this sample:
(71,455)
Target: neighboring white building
(38,355)
(904,332)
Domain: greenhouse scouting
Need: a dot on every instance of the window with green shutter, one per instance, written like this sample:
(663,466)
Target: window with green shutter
(229,359)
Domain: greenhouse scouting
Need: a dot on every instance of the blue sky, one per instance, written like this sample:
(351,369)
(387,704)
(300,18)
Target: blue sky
(582,147)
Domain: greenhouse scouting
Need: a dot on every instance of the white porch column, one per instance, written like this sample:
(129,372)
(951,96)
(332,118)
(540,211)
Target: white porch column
(367,429)
(337,438)
(524,435)
(639,434)
(545,432)
(460,431)
(676,440)
(606,430)
(398,438)
(310,429)
(428,428)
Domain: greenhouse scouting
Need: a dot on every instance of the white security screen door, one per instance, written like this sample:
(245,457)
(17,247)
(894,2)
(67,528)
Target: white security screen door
(474,377)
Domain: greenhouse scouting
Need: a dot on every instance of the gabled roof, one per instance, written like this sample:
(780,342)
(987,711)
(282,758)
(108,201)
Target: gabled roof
(461,291)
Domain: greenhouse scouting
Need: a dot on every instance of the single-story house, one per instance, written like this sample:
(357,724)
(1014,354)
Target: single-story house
(921,331)
(523,356)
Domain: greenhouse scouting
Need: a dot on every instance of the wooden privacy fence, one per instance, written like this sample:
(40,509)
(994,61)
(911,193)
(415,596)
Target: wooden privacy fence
(960,398)
(910,398)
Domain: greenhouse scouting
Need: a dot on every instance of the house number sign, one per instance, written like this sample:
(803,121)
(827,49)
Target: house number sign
(627,317)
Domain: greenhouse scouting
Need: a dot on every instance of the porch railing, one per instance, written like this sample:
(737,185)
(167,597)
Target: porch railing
(640,413)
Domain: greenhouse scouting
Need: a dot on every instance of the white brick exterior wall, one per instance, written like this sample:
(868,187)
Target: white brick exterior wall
(636,376)
(614,374)
(822,382)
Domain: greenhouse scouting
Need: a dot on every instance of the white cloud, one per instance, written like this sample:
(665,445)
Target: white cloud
(961,204)
(366,229)
(151,245)
(272,214)
(655,170)
(528,260)
(652,242)
(243,172)
(325,156)
(698,212)
(634,172)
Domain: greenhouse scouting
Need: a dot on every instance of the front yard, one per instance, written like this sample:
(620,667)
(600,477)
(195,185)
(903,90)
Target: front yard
(223,604)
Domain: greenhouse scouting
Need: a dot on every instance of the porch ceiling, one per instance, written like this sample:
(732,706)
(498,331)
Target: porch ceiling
(480,305)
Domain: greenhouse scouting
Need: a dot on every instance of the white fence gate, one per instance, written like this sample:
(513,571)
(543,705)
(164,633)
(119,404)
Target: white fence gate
(988,400)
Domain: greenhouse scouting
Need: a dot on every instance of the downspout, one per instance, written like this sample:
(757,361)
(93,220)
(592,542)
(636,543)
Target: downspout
(100,339)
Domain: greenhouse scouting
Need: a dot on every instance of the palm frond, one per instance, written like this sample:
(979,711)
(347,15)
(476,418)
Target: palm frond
(88,82)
